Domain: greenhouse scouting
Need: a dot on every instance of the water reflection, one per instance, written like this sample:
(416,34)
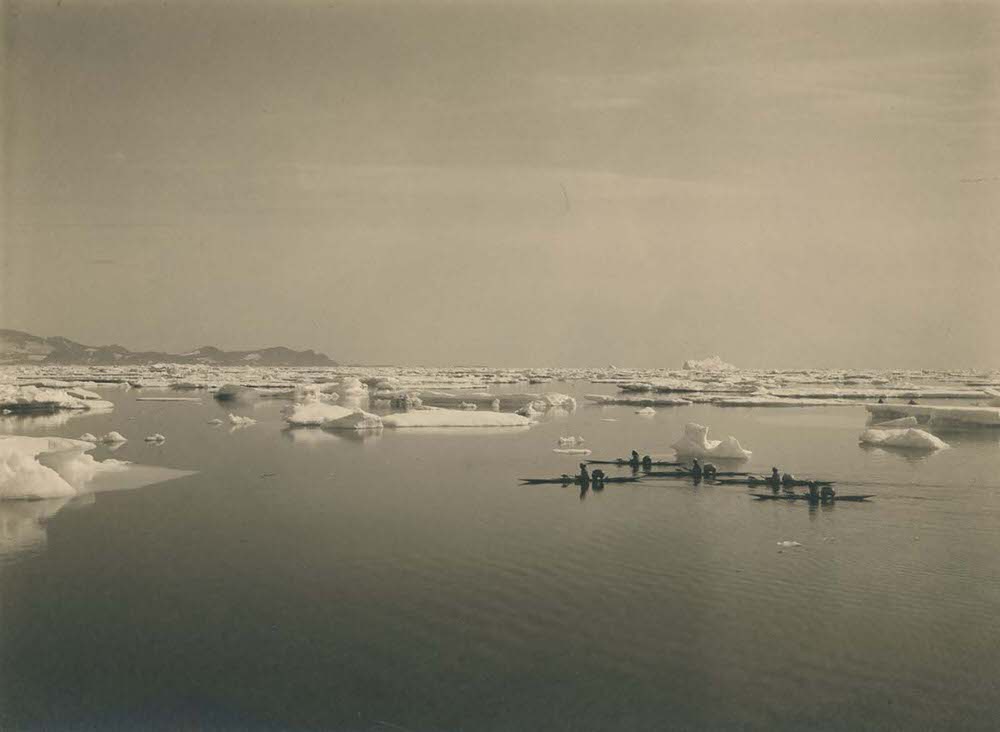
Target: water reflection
(319,436)
(18,423)
(22,524)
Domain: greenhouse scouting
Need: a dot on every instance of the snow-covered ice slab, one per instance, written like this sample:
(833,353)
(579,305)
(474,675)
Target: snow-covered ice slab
(906,437)
(454,418)
(933,414)
(331,416)
(695,443)
(34,468)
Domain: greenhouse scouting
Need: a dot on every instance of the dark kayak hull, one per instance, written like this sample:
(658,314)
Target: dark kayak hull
(770,484)
(683,474)
(835,499)
(623,462)
(569,479)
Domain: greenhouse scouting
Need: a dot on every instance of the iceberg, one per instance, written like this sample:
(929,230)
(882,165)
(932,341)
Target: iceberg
(911,438)
(113,437)
(695,443)
(34,468)
(713,363)
(454,418)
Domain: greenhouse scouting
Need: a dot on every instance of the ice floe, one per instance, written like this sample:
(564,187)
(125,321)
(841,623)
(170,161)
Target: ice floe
(572,450)
(240,421)
(695,443)
(113,437)
(454,418)
(910,438)
(646,411)
(941,415)
(570,441)
(641,401)
(157,438)
(18,399)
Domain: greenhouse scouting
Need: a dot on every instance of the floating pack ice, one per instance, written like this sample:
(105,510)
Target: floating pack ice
(454,418)
(909,438)
(695,443)
(331,416)
(112,438)
(641,401)
(18,399)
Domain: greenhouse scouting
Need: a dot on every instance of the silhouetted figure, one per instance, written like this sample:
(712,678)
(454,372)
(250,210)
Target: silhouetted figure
(813,492)
(709,471)
(634,460)
(881,400)
(597,477)
(912,401)
(827,493)
(696,470)
(647,462)
(584,475)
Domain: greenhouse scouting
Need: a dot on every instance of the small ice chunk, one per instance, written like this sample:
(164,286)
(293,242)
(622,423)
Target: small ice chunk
(468,406)
(695,443)
(646,411)
(113,437)
(788,544)
(215,421)
(87,437)
(571,440)
(156,438)
(911,438)
(239,421)
(572,450)
(358,419)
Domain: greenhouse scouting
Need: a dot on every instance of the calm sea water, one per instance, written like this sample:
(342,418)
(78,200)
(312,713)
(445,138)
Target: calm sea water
(305,580)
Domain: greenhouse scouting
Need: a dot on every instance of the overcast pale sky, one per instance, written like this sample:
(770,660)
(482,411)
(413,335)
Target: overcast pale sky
(509,183)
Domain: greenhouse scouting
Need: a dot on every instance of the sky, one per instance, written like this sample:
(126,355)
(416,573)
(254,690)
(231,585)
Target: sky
(786,185)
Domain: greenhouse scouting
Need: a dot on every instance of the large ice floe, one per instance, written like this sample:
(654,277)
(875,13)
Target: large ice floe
(33,468)
(939,415)
(695,443)
(454,418)
(905,437)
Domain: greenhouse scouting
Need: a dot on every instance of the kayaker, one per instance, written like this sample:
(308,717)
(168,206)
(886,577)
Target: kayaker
(696,469)
(709,471)
(584,475)
(827,493)
(813,492)
(881,400)
(912,401)
(597,476)
(634,460)
(647,462)
(775,476)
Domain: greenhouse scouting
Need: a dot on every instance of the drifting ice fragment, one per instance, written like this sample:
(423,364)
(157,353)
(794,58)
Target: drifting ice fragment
(572,450)
(911,438)
(315,414)
(788,544)
(87,437)
(357,419)
(113,438)
(571,440)
(238,421)
(896,423)
(156,438)
(215,421)
(695,443)
(969,416)
(646,411)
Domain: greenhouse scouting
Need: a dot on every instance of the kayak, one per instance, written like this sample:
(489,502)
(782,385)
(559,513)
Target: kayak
(799,497)
(751,480)
(687,474)
(623,461)
(567,479)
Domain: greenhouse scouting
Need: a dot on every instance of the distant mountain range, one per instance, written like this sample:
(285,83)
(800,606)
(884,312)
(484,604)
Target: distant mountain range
(17,347)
